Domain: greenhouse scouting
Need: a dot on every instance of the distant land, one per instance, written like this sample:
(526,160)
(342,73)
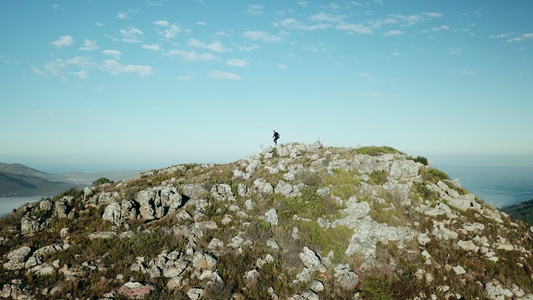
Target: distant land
(521,211)
(18,180)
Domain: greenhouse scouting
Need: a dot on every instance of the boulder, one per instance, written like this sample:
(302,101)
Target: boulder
(135,290)
(272,217)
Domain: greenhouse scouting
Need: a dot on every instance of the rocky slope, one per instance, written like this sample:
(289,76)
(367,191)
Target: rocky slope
(293,222)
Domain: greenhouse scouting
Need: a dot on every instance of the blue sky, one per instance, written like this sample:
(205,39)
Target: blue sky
(145,84)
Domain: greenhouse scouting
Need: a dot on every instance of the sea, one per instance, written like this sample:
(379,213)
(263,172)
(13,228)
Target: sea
(497,180)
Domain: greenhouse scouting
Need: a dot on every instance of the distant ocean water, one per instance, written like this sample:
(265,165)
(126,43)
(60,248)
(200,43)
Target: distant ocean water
(497,180)
(8,204)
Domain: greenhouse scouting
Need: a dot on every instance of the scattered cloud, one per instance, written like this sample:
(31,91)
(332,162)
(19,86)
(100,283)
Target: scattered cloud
(172,31)
(293,24)
(215,46)
(393,32)
(325,17)
(57,7)
(468,72)
(224,75)
(192,56)
(114,67)
(122,15)
(89,45)
(248,48)
(154,47)
(395,53)
(237,63)
(59,67)
(201,23)
(131,35)
(282,67)
(303,3)
(98,24)
(454,51)
(81,74)
(185,78)
(162,23)
(500,36)
(365,75)
(521,38)
(255,9)
(354,28)
(259,35)
(115,53)
(64,41)
(38,71)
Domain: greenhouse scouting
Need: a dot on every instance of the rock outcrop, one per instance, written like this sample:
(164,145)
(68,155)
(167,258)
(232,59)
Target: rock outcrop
(293,222)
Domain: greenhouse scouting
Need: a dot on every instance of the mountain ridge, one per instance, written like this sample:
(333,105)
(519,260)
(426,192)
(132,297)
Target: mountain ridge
(298,221)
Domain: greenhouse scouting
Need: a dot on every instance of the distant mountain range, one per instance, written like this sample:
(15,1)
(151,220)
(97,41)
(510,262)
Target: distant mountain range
(23,181)
(521,211)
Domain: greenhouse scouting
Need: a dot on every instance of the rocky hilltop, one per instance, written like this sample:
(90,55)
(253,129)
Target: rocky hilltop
(294,222)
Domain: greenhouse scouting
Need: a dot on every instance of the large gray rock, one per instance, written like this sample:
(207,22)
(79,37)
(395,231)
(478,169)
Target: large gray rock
(203,260)
(404,169)
(156,202)
(345,278)
(112,213)
(263,187)
(222,192)
(311,260)
(272,217)
(135,290)
(17,258)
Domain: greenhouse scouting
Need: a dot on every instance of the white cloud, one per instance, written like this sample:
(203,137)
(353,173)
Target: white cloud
(201,23)
(454,51)
(98,24)
(162,23)
(293,24)
(357,28)
(114,53)
(282,67)
(325,17)
(122,15)
(255,9)
(393,32)
(114,67)
(38,71)
(63,41)
(185,78)
(303,3)
(58,66)
(521,38)
(468,72)
(81,74)
(263,36)
(154,47)
(192,56)
(131,35)
(172,31)
(237,63)
(396,53)
(365,75)
(215,46)
(248,48)
(500,36)
(89,45)
(224,75)
(57,7)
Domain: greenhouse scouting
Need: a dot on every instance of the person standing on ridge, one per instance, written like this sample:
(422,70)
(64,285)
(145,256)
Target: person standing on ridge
(275,137)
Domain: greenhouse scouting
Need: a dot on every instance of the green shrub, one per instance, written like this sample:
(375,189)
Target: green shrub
(377,151)
(433,175)
(420,159)
(101,181)
(379,177)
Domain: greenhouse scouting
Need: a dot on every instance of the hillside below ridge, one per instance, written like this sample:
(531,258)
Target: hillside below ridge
(296,221)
